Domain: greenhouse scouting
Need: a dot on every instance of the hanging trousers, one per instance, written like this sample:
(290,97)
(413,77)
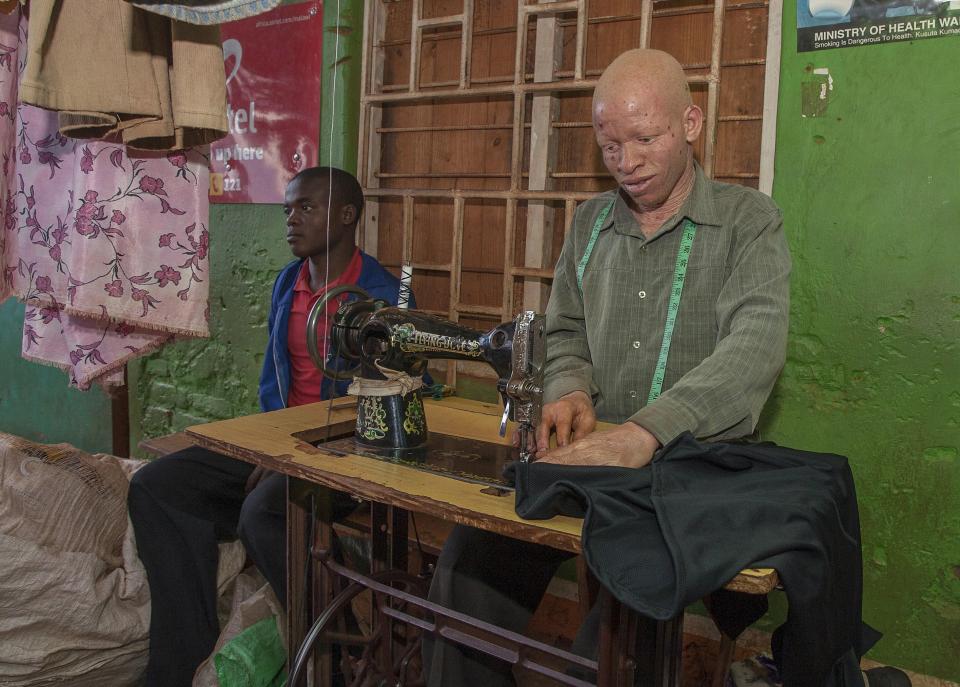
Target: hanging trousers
(181,506)
(498,580)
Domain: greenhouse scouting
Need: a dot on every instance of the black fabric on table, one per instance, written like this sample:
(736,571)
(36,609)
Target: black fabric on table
(662,537)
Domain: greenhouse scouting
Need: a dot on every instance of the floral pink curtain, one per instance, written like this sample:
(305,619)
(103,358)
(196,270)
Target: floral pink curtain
(108,251)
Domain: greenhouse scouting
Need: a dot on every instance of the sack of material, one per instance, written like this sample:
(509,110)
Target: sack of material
(74,598)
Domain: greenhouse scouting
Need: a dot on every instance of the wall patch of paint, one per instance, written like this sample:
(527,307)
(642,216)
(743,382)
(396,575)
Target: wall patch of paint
(940,453)
(815,90)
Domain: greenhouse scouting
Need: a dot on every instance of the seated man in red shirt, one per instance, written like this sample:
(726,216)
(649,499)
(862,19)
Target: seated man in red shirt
(182,504)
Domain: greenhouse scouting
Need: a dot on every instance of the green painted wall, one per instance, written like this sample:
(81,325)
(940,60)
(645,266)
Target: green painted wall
(212,379)
(872,208)
(340,105)
(37,404)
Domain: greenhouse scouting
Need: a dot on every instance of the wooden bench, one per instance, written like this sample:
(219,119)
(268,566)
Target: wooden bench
(162,446)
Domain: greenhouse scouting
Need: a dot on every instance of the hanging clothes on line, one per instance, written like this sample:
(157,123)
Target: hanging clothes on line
(206,12)
(108,250)
(112,70)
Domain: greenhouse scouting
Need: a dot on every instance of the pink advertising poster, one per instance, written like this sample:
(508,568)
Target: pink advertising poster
(272,63)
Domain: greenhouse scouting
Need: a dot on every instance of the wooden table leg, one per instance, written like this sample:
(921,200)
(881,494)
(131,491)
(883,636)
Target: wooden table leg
(323,583)
(635,649)
(309,584)
(298,529)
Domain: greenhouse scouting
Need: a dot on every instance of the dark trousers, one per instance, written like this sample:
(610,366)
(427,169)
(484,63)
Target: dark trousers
(181,506)
(501,581)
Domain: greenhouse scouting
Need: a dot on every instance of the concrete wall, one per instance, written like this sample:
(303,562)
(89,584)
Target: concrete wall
(198,381)
(870,195)
(36,403)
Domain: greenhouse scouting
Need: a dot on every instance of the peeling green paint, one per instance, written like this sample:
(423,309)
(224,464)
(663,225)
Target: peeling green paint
(191,382)
(872,369)
(940,453)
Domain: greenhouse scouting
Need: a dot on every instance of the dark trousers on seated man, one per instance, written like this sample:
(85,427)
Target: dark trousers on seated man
(185,503)
(181,506)
(498,580)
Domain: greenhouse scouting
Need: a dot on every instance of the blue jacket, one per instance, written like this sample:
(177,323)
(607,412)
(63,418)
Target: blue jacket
(275,376)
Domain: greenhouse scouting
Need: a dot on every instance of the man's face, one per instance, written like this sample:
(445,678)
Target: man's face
(305,205)
(645,145)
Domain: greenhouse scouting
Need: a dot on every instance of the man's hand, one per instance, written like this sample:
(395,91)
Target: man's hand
(257,476)
(628,445)
(572,417)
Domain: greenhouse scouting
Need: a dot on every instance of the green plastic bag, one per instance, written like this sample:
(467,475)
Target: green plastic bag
(254,658)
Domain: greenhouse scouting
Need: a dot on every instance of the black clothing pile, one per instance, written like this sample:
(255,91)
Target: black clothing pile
(662,537)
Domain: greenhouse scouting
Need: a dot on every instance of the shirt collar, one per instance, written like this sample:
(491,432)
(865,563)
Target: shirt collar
(699,207)
(303,278)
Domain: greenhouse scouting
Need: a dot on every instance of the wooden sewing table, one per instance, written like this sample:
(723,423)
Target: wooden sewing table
(284,440)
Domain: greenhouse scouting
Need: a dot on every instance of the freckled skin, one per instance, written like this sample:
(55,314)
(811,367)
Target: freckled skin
(645,123)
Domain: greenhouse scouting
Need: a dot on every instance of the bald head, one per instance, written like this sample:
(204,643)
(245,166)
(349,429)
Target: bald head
(645,123)
(652,75)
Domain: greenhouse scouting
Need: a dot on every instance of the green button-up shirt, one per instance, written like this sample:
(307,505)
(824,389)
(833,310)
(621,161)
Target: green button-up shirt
(729,341)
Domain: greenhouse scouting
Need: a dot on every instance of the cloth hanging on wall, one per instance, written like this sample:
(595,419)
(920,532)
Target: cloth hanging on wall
(109,251)
(110,69)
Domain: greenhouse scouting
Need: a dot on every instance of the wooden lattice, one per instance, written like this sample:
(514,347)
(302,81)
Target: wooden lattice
(476,141)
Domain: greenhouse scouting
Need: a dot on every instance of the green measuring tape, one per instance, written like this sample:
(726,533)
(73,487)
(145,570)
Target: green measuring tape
(679,274)
(601,218)
(676,291)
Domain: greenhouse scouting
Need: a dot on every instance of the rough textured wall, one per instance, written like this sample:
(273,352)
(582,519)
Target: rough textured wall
(213,379)
(869,192)
(37,404)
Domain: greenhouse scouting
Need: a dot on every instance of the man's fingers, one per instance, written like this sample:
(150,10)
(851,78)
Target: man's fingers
(543,433)
(563,430)
(557,456)
(586,423)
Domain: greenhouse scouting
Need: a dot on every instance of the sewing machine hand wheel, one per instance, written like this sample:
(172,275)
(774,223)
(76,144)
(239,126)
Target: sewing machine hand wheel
(315,314)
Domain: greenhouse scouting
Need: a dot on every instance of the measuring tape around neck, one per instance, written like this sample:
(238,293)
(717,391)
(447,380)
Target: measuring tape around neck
(676,291)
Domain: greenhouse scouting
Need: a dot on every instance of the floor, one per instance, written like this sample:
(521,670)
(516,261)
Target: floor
(557,618)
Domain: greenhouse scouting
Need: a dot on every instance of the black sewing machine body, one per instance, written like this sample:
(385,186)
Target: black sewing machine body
(387,349)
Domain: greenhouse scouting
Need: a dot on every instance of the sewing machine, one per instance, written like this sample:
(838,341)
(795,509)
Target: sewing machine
(385,349)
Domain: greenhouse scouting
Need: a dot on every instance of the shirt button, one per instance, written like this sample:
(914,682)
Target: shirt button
(636,344)
(633,394)
(642,294)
